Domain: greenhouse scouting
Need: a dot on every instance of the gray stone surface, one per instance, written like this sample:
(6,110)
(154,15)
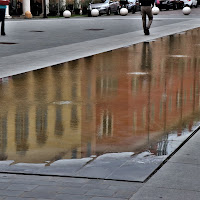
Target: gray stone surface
(158,193)
(182,176)
(178,178)
(133,170)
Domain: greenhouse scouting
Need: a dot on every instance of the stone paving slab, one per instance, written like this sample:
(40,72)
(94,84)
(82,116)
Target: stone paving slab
(112,166)
(133,170)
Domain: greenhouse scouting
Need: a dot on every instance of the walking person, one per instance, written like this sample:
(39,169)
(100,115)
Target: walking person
(2,18)
(146,6)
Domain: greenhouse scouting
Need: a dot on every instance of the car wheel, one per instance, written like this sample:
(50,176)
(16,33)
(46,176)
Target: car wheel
(108,12)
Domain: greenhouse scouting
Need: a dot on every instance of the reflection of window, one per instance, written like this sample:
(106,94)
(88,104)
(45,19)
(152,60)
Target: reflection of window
(106,124)
(161,109)
(152,112)
(135,85)
(191,93)
(185,96)
(58,123)
(74,117)
(170,103)
(134,122)
(3,136)
(144,111)
(21,132)
(89,114)
(178,99)
(74,90)
(89,149)
(74,153)
(106,85)
(199,101)
(41,125)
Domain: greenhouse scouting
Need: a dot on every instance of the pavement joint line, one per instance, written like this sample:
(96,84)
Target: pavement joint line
(68,176)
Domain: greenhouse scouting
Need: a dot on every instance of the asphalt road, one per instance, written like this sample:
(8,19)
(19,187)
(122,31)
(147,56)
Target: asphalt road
(38,34)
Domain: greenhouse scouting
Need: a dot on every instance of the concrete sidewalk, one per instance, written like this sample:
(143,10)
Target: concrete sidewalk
(178,178)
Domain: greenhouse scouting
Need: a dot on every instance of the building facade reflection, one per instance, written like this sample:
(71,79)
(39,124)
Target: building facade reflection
(130,99)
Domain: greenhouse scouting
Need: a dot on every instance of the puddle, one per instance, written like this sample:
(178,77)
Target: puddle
(142,101)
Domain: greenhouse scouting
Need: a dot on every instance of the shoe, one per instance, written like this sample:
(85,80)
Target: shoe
(3,34)
(146,31)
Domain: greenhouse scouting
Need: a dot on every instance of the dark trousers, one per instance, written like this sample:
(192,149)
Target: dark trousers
(2,19)
(146,11)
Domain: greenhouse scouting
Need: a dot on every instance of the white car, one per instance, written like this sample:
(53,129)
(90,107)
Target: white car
(191,3)
(104,7)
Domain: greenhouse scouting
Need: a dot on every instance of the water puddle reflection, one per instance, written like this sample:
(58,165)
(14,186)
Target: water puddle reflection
(143,98)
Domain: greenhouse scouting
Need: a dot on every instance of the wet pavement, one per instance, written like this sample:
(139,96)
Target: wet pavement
(161,135)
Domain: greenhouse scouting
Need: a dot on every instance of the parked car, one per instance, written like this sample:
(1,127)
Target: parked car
(104,7)
(129,4)
(138,8)
(191,3)
(170,4)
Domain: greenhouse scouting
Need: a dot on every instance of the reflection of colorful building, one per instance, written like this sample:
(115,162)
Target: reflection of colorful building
(119,101)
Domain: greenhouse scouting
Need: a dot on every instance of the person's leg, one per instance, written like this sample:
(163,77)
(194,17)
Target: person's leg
(150,16)
(2,18)
(143,13)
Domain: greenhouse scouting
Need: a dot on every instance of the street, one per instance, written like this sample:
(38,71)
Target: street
(38,34)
